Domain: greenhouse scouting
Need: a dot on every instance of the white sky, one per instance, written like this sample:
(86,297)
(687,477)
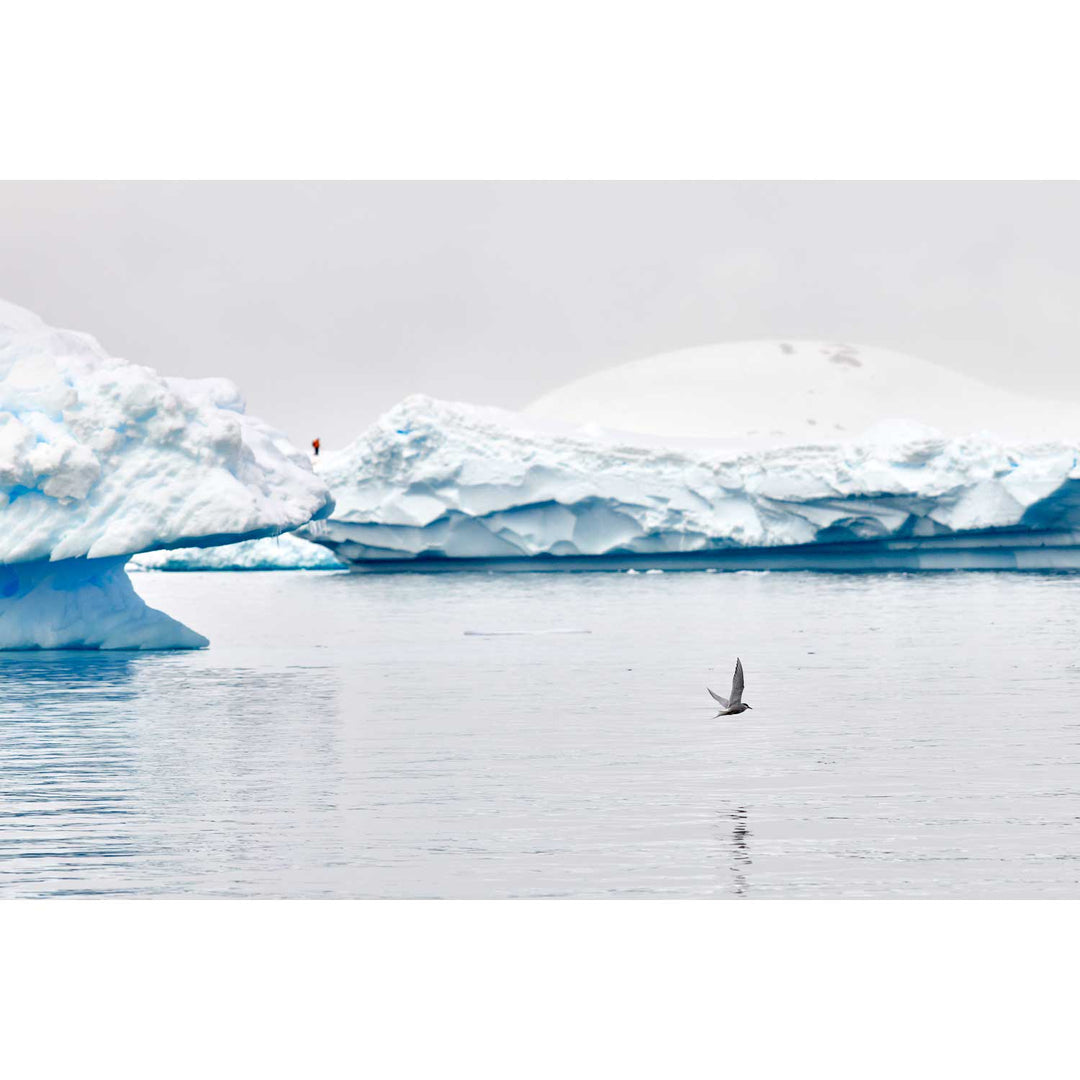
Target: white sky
(328,302)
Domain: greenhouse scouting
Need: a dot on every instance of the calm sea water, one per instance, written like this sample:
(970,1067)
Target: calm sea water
(415,736)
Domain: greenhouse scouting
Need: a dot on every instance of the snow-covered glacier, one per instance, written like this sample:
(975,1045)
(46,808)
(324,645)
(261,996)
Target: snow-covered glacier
(100,459)
(437,485)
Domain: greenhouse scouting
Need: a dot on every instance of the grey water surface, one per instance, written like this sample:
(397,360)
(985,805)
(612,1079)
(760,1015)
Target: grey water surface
(414,736)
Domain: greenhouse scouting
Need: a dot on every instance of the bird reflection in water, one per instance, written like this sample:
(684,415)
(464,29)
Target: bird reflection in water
(740,851)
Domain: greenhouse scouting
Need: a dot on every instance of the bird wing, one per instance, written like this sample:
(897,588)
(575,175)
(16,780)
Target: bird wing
(716,697)
(737,683)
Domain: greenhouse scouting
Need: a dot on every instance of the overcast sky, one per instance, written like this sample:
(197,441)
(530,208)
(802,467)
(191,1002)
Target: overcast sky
(329,302)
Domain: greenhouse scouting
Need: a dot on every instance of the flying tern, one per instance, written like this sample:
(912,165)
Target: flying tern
(734,704)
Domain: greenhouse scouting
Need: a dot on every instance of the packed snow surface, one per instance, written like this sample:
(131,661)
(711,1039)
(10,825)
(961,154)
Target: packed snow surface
(100,459)
(284,552)
(435,480)
(785,392)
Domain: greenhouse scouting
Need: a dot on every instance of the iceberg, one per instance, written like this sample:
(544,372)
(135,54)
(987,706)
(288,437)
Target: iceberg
(284,552)
(101,459)
(435,485)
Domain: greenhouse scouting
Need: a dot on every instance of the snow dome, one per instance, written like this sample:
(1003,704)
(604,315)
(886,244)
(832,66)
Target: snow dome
(100,459)
(782,392)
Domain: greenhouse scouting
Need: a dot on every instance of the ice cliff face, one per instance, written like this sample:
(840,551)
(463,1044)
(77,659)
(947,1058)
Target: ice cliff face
(433,480)
(101,458)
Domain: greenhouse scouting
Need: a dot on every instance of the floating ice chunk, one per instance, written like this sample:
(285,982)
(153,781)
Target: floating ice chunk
(284,552)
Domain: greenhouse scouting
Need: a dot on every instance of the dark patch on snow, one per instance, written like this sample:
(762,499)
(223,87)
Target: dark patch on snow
(786,348)
(843,354)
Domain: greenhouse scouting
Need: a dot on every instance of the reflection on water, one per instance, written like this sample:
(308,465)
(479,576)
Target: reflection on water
(117,770)
(345,736)
(740,850)
(66,763)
